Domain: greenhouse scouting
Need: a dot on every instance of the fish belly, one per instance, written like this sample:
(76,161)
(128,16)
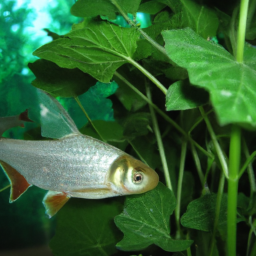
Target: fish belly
(74,163)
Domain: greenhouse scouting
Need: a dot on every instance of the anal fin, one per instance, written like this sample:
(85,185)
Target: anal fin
(18,183)
(54,201)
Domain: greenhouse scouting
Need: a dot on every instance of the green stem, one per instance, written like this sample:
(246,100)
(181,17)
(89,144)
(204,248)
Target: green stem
(217,211)
(166,117)
(179,189)
(234,163)
(215,143)
(90,121)
(145,35)
(247,162)
(147,74)
(250,170)
(241,30)
(159,141)
(198,164)
(1,190)
(137,152)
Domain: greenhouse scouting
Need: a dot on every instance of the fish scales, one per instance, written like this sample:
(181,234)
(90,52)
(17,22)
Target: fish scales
(73,162)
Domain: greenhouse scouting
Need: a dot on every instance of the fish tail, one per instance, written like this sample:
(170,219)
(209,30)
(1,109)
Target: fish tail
(12,121)
(18,183)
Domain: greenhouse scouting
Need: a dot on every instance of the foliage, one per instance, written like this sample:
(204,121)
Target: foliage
(191,68)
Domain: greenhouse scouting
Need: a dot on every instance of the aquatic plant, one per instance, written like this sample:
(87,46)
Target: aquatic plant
(185,105)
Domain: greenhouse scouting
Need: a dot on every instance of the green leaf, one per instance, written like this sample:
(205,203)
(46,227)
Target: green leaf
(136,125)
(146,221)
(151,7)
(109,130)
(147,150)
(130,99)
(86,227)
(98,49)
(188,13)
(200,213)
(88,8)
(60,81)
(200,18)
(181,96)
(144,50)
(230,84)
(51,34)
(173,4)
(176,73)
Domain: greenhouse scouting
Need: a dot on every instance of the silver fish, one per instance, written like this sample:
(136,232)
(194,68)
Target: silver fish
(74,165)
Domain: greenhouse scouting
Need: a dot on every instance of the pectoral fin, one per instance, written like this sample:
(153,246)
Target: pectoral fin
(53,202)
(18,183)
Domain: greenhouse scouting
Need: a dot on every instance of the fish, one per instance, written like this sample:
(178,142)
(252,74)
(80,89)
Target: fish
(70,164)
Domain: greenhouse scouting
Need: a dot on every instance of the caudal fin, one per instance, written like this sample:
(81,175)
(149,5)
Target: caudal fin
(18,183)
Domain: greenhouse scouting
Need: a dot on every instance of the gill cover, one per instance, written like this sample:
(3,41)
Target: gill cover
(131,176)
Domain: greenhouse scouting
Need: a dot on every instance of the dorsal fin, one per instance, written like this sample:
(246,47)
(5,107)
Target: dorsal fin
(18,183)
(56,122)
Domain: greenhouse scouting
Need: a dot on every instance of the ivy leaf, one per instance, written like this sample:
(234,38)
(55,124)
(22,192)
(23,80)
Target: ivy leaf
(109,130)
(151,7)
(130,99)
(147,150)
(200,213)
(200,18)
(86,227)
(98,49)
(181,96)
(136,125)
(230,84)
(60,81)
(146,221)
(88,8)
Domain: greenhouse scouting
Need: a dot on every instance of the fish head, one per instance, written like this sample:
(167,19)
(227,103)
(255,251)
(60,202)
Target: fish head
(130,176)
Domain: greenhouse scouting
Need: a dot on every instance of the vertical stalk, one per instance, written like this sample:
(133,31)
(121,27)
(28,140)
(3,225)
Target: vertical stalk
(217,211)
(250,170)
(179,189)
(198,164)
(241,30)
(234,163)
(159,141)
(217,147)
(235,143)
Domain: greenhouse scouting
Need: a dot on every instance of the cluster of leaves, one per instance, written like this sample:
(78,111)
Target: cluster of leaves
(201,81)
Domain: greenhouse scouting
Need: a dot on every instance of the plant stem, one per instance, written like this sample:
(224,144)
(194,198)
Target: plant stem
(247,162)
(179,189)
(1,190)
(250,170)
(198,164)
(144,34)
(166,117)
(90,121)
(235,144)
(234,162)
(217,211)
(137,152)
(215,143)
(147,74)
(241,30)
(159,141)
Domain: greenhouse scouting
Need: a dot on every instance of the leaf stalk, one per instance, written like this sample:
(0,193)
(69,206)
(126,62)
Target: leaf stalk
(159,141)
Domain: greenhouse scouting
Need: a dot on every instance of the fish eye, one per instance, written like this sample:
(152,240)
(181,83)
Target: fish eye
(137,178)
